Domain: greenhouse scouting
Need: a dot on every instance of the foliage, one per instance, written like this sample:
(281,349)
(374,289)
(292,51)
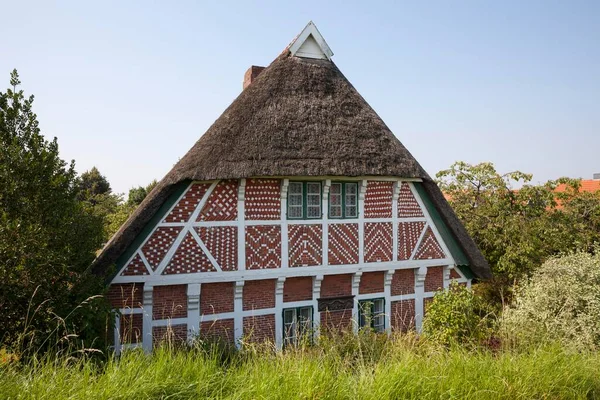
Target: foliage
(138,194)
(47,236)
(517,230)
(561,303)
(457,316)
(406,369)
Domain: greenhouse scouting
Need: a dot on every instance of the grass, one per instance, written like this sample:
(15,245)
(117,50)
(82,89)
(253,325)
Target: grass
(340,368)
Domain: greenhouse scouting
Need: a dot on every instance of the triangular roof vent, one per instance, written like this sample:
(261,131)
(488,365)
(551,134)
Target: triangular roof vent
(310,44)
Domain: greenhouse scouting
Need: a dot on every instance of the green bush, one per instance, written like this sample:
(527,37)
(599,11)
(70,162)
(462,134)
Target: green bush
(458,316)
(561,302)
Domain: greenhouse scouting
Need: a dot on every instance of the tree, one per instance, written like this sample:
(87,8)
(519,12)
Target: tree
(138,194)
(47,237)
(517,230)
(97,196)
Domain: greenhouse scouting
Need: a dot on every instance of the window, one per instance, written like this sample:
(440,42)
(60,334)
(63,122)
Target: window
(372,314)
(304,200)
(297,324)
(343,200)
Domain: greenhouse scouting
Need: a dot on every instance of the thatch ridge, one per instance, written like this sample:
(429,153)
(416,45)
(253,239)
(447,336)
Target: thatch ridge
(300,117)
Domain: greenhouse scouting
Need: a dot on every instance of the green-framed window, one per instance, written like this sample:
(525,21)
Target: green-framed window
(297,324)
(343,200)
(371,313)
(304,200)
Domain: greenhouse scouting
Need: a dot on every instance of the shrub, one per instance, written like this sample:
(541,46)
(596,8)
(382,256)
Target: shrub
(561,302)
(457,315)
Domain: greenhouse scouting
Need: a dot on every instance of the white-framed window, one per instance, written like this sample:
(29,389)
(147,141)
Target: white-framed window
(297,324)
(372,314)
(343,200)
(304,200)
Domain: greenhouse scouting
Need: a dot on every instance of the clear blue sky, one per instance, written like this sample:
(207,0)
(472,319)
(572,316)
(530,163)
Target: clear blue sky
(129,86)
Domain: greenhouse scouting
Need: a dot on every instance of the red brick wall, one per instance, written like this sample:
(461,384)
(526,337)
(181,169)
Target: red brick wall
(128,295)
(173,334)
(371,282)
(403,282)
(434,280)
(297,289)
(263,199)
(131,328)
(336,320)
(454,274)
(260,328)
(220,330)
(403,315)
(216,298)
(336,285)
(169,302)
(259,294)
(378,242)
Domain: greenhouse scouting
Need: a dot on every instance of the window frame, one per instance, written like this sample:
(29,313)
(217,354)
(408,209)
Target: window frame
(362,318)
(292,340)
(305,200)
(344,204)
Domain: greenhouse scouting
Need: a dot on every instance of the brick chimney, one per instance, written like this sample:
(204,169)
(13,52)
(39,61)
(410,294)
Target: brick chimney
(251,75)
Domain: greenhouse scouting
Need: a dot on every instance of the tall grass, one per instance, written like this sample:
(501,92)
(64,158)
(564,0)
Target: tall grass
(341,367)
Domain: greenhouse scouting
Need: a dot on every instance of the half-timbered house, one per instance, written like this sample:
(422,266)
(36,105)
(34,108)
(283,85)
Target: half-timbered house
(298,210)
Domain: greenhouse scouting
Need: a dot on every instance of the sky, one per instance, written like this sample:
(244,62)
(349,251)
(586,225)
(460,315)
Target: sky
(129,86)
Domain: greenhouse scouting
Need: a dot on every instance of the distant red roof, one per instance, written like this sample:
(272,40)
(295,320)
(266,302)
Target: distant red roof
(587,185)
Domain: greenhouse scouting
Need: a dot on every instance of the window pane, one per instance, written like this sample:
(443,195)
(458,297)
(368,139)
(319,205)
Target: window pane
(304,320)
(336,188)
(378,306)
(364,310)
(313,188)
(314,212)
(351,188)
(295,188)
(289,316)
(295,207)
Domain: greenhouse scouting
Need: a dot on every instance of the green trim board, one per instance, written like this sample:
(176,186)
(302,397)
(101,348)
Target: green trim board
(180,188)
(458,254)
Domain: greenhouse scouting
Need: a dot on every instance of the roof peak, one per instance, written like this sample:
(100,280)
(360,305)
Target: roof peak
(310,44)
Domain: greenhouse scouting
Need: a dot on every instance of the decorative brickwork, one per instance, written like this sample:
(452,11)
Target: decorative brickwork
(403,315)
(263,247)
(434,280)
(378,242)
(407,204)
(189,258)
(263,199)
(131,327)
(336,285)
(378,199)
(188,203)
(297,289)
(216,298)
(221,331)
(403,282)
(371,282)
(259,294)
(221,242)
(260,328)
(169,301)
(343,244)
(159,243)
(135,267)
(454,274)
(169,334)
(429,248)
(222,203)
(305,245)
(408,236)
(127,295)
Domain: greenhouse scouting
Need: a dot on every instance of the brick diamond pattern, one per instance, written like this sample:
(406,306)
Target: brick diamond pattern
(221,242)
(263,199)
(305,245)
(407,204)
(408,236)
(135,267)
(378,199)
(222,203)
(429,248)
(343,244)
(263,247)
(188,258)
(378,242)
(188,203)
(159,243)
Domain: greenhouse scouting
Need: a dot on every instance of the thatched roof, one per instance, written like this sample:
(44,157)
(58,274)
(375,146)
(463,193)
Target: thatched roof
(300,117)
